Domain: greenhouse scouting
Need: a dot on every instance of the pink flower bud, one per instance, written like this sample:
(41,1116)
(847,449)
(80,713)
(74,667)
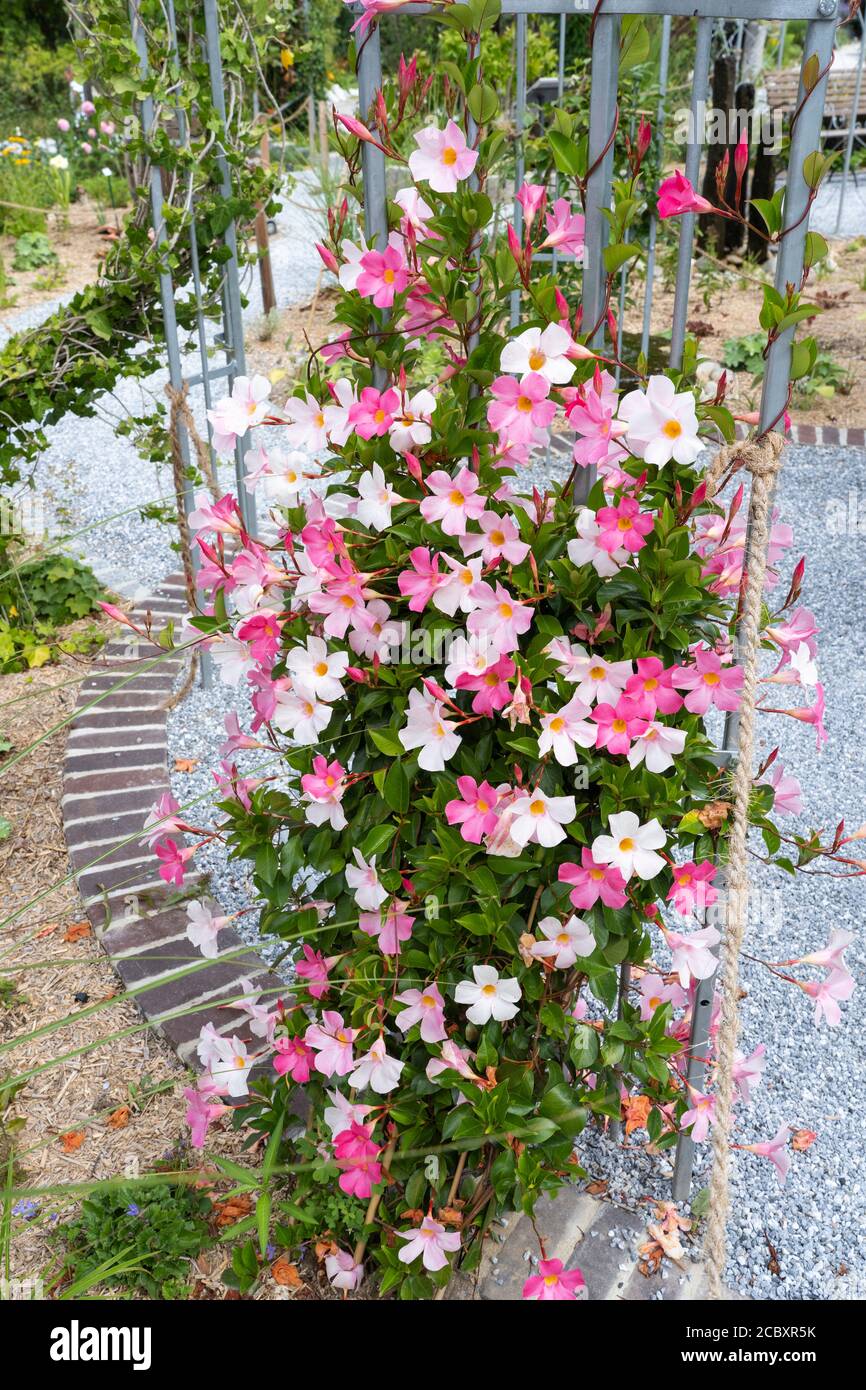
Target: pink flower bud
(328,258)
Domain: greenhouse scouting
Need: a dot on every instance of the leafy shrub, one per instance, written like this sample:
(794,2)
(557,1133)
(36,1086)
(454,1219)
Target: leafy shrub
(32,251)
(144,1235)
(54,588)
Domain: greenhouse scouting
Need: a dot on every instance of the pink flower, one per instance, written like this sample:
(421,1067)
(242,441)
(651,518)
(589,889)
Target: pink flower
(372,8)
(356,1154)
(201,1112)
(107,127)
(499,617)
(565,230)
(832,955)
(624,525)
(173,859)
(324,788)
(776,1150)
(691,956)
(373,414)
(654,992)
(431,1241)
(262,634)
(521,408)
(314,969)
(810,714)
(677,196)
(452,1058)
(839,985)
(426,1007)
(499,539)
(377,1070)
(564,941)
(491,685)
(363,879)
(442,158)
(799,627)
(235,738)
(532,197)
(390,930)
(384,274)
(221,517)
(554,1283)
(654,684)
(700,1115)
(63,124)
(617,726)
(161,820)
(592,881)
(453,501)
(474,811)
(332,1040)
(692,889)
(709,683)
(748,1071)
(421,582)
(340,1268)
(591,415)
(293,1058)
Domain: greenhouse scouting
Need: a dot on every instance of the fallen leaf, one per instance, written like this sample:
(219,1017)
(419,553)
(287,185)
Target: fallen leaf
(803,1139)
(636,1111)
(286,1274)
(72,1141)
(714,814)
(46,931)
(231,1210)
(325,1247)
(119,1118)
(450,1216)
(773,1262)
(668,1240)
(597,1188)
(185,764)
(76,930)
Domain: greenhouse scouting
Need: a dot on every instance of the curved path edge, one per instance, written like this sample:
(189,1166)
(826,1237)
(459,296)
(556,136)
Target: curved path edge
(115,768)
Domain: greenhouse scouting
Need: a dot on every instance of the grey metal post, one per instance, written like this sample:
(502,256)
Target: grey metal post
(780,58)
(520,158)
(664,67)
(700,80)
(311,95)
(372,159)
(602,114)
(231,283)
(166,287)
(849,143)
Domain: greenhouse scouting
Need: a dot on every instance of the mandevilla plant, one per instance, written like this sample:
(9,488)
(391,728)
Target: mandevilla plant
(488,710)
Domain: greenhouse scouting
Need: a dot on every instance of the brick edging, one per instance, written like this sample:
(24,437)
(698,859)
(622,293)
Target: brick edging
(115,767)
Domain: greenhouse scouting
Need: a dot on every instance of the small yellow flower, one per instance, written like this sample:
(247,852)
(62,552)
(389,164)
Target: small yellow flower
(287,58)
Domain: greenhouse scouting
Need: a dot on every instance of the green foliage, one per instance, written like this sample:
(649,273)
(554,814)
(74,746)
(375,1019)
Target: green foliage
(54,588)
(32,251)
(746,353)
(152,1230)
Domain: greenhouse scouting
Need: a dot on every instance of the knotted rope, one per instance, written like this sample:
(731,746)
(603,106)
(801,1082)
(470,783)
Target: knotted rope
(762,459)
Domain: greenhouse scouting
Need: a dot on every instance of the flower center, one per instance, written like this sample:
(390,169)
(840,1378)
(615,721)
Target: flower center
(388,277)
(684,880)
(428,1001)
(481,806)
(524,404)
(467,577)
(240,1063)
(654,1002)
(488,989)
(624,523)
(672,428)
(551,1279)
(651,683)
(537,360)
(320,421)
(449,155)
(497,538)
(597,673)
(626,845)
(537,807)
(456,499)
(563,939)
(379,416)
(557,725)
(505,610)
(330,781)
(596,874)
(321,668)
(618,726)
(711,678)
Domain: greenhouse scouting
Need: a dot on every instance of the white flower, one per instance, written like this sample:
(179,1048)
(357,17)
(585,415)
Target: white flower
(364,882)
(299,713)
(457,593)
(427,728)
(377,497)
(342,1114)
(656,746)
(489,996)
(377,1070)
(59,161)
(317,670)
(307,429)
(231,1066)
(232,658)
(442,159)
(601,680)
(565,941)
(411,428)
(631,846)
(351,269)
(540,350)
(204,927)
(805,667)
(562,729)
(285,477)
(469,656)
(585,550)
(539,817)
(661,423)
(336,414)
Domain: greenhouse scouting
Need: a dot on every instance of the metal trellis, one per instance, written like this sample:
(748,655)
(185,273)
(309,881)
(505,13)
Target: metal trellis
(606,18)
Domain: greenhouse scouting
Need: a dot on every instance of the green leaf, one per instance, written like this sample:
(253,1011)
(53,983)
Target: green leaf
(559,1105)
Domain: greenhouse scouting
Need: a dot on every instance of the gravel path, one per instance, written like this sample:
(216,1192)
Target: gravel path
(811,1077)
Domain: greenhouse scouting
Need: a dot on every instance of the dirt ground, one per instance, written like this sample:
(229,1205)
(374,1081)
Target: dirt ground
(731,308)
(117,1108)
(79,246)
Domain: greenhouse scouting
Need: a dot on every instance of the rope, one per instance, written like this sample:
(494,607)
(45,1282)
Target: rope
(762,458)
(181,416)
